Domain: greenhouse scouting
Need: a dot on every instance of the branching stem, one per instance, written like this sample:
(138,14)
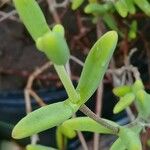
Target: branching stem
(99,120)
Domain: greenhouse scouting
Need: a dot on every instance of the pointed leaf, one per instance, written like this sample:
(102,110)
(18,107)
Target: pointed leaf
(43,118)
(124,102)
(122,90)
(76,4)
(144,5)
(130,139)
(39,147)
(121,7)
(60,139)
(95,8)
(32,17)
(96,65)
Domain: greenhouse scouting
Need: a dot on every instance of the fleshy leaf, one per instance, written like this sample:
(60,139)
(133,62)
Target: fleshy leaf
(118,145)
(124,102)
(130,139)
(144,5)
(121,7)
(44,118)
(39,147)
(32,17)
(96,65)
(143,104)
(76,4)
(69,127)
(131,7)
(122,90)
(58,28)
(95,8)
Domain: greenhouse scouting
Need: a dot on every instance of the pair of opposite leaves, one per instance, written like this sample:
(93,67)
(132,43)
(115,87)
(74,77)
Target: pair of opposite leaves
(130,93)
(123,7)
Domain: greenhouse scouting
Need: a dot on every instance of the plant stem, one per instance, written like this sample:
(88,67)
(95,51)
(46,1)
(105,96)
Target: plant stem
(64,77)
(99,120)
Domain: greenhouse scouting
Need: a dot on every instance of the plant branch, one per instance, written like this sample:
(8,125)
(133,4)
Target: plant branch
(64,77)
(99,120)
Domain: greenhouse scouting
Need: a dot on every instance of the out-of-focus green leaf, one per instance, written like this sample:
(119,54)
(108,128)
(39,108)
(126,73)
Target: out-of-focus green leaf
(121,7)
(95,8)
(130,5)
(130,139)
(96,65)
(133,30)
(38,147)
(122,90)
(124,102)
(144,5)
(76,4)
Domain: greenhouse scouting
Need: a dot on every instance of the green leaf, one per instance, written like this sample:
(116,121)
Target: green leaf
(58,28)
(76,4)
(133,30)
(96,65)
(121,7)
(60,139)
(39,147)
(118,145)
(44,118)
(144,5)
(95,8)
(138,85)
(54,45)
(143,104)
(122,90)
(131,7)
(130,139)
(124,102)
(69,127)
(32,17)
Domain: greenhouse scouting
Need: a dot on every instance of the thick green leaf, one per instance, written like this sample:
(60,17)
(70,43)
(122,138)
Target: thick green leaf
(96,65)
(44,118)
(143,104)
(138,85)
(131,7)
(118,145)
(144,5)
(124,102)
(121,7)
(32,17)
(60,139)
(122,90)
(39,147)
(130,139)
(69,127)
(76,4)
(95,8)
(54,45)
